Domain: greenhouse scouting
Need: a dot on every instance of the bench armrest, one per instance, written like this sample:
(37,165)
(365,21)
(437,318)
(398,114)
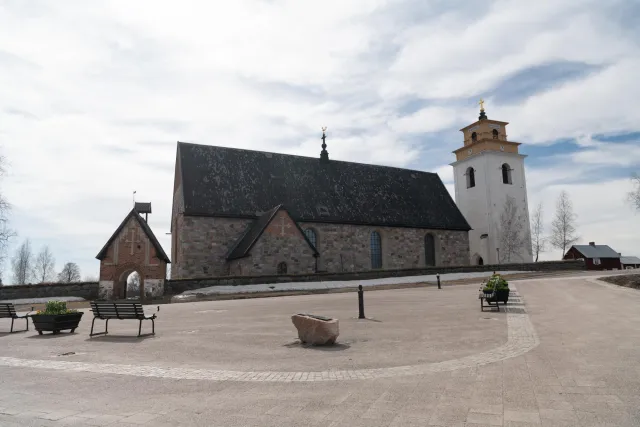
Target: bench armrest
(153,316)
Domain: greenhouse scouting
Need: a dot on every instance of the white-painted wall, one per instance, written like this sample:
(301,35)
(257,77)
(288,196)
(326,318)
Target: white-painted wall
(483,204)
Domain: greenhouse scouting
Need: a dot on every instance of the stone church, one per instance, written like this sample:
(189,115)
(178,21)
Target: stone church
(242,212)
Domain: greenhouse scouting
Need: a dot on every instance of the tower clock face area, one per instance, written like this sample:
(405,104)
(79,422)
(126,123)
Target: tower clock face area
(489,178)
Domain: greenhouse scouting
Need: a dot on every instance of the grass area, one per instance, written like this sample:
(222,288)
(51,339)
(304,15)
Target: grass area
(626,280)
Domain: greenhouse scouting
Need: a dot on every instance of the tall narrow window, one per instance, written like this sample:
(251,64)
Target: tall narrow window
(312,236)
(282,268)
(506,174)
(471,177)
(474,137)
(495,133)
(376,250)
(429,250)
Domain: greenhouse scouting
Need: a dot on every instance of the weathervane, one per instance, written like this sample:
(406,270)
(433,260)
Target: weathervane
(483,115)
(324,155)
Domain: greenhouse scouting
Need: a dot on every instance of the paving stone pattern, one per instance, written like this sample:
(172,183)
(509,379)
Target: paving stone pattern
(579,371)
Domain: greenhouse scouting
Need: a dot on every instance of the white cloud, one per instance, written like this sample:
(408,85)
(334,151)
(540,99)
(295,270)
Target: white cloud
(93,97)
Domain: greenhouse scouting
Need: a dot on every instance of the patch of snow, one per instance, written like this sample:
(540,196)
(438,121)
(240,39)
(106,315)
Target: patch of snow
(337,284)
(42,300)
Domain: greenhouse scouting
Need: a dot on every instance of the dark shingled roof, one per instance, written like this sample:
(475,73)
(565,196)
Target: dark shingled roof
(147,230)
(219,181)
(142,207)
(596,251)
(253,233)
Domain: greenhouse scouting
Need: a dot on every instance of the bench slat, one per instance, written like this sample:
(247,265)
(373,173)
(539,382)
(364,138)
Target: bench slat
(118,310)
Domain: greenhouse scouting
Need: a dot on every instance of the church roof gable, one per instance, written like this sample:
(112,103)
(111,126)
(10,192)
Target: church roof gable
(220,181)
(147,231)
(254,231)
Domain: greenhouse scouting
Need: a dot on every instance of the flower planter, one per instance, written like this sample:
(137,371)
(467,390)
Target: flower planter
(502,295)
(56,322)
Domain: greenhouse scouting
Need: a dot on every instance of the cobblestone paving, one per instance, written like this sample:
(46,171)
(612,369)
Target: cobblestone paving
(522,338)
(580,369)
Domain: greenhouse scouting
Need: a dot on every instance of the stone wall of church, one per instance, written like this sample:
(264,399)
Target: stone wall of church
(281,242)
(203,244)
(347,247)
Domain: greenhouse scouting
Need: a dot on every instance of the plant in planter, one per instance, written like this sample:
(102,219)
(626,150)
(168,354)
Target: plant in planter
(56,317)
(501,286)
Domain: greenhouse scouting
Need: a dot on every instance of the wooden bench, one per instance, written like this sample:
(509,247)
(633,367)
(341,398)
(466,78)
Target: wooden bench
(489,298)
(8,311)
(107,310)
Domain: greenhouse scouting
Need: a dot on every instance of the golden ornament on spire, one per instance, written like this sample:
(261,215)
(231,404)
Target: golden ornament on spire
(481,104)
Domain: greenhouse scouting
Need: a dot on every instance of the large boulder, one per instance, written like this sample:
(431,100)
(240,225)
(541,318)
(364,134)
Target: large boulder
(315,330)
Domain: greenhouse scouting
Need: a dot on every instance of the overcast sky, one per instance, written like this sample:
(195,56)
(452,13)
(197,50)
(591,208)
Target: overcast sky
(94,96)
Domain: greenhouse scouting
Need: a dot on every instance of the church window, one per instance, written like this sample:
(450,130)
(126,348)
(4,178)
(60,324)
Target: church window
(506,174)
(474,137)
(376,250)
(312,236)
(282,268)
(429,250)
(495,133)
(471,178)
(480,261)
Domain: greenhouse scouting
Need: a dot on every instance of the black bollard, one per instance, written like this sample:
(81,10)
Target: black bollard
(360,302)
(438,277)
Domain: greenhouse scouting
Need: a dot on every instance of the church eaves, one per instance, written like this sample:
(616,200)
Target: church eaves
(230,182)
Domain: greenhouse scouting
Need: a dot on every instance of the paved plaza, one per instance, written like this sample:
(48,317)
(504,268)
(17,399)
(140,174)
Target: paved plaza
(564,353)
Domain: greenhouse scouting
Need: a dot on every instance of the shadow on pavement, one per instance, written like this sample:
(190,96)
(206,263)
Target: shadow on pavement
(333,347)
(119,338)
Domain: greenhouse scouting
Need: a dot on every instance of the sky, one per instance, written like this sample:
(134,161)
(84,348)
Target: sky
(95,95)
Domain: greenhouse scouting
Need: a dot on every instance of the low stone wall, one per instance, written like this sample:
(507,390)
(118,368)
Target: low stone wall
(173,287)
(86,290)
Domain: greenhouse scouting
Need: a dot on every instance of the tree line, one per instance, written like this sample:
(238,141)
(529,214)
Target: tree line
(28,269)
(563,233)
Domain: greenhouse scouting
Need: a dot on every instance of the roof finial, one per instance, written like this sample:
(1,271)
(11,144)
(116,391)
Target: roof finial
(324,155)
(482,113)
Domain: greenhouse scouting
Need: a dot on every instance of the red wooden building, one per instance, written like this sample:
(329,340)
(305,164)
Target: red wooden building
(597,257)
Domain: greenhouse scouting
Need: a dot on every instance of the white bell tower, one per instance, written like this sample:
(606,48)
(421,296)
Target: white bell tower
(491,192)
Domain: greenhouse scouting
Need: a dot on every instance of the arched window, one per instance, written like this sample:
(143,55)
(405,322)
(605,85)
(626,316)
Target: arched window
(506,174)
(474,137)
(480,261)
(312,236)
(429,250)
(471,177)
(376,250)
(495,133)
(282,268)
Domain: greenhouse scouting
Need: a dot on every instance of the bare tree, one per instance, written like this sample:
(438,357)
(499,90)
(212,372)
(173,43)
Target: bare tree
(563,226)
(5,232)
(70,273)
(538,241)
(634,195)
(513,236)
(22,263)
(133,284)
(44,267)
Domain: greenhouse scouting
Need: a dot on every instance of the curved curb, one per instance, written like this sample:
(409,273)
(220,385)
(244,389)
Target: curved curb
(522,338)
